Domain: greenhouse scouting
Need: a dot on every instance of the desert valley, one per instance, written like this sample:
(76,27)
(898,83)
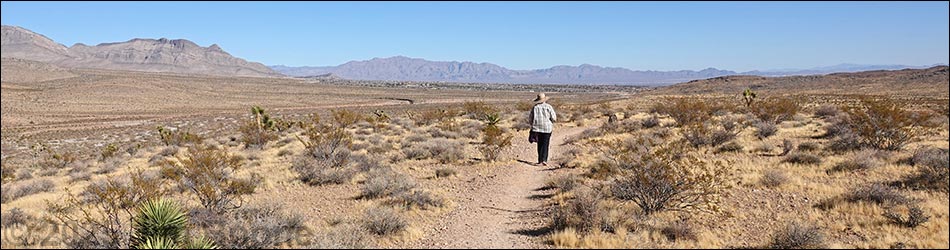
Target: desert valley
(249,157)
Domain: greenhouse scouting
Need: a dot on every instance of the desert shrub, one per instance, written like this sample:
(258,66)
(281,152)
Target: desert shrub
(915,216)
(477,110)
(583,213)
(79,174)
(563,183)
(826,111)
(177,137)
(384,221)
(569,159)
(419,199)
(685,111)
(765,129)
(259,130)
(260,227)
(345,118)
(445,172)
(586,134)
(208,174)
(108,151)
(105,210)
(661,177)
(862,160)
(15,216)
(773,178)
(809,146)
(494,139)
(7,172)
(776,110)
(729,147)
(650,122)
(315,172)
(802,158)
(366,162)
(882,124)
(49,161)
(346,236)
(845,141)
(798,236)
(678,231)
(699,135)
(284,152)
(438,131)
(442,149)
(876,193)
(931,170)
(434,115)
(326,154)
(386,182)
(16,190)
(414,138)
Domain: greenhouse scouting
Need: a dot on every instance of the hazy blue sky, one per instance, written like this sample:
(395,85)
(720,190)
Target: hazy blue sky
(522,35)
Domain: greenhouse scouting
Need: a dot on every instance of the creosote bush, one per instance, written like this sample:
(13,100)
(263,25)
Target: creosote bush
(776,110)
(883,124)
(685,111)
(209,174)
(931,170)
(583,213)
(659,176)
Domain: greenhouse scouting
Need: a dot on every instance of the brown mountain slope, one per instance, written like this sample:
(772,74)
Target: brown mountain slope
(150,55)
(931,82)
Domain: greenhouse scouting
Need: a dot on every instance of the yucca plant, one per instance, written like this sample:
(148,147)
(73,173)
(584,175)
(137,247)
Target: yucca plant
(492,119)
(157,220)
(160,224)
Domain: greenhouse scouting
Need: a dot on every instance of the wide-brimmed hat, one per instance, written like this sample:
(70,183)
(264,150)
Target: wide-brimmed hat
(541,98)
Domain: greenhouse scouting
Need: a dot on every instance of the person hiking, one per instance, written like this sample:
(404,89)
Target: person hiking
(542,118)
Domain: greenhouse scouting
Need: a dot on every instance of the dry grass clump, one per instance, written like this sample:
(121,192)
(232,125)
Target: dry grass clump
(765,129)
(798,236)
(915,216)
(419,199)
(699,134)
(677,231)
(16,190)
(345,236)
(773,178)
(809,146)
(384,221)
(442,149)
(563,183)
(445,172)
(729,147)
(878,194)
(776,110)
(258,227)
(862,160)
(826,111)
(386,182)
(802,158)
(583,213)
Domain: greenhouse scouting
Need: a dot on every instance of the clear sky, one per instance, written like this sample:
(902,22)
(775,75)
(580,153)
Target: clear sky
(737,36)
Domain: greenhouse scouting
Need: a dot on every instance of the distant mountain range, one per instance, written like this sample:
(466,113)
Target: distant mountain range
(415,69)
(152,55)
(183,56)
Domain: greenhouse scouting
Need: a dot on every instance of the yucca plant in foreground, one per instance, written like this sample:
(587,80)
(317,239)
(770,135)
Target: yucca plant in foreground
(160,224)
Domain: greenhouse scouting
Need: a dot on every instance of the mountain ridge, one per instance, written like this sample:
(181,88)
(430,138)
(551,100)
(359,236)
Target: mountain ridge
(404,68)
(136,54)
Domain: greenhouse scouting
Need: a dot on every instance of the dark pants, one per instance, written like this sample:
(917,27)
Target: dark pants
(544,140)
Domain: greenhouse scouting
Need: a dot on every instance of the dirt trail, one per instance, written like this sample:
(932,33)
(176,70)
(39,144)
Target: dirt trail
(503,208)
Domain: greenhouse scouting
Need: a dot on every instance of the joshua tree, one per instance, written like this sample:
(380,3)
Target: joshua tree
(748,96)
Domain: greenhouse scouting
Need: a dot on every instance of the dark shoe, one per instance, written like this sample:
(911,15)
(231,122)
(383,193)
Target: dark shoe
(544,164)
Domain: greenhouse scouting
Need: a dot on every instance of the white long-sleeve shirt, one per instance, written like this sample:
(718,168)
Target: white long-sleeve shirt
(542,118)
